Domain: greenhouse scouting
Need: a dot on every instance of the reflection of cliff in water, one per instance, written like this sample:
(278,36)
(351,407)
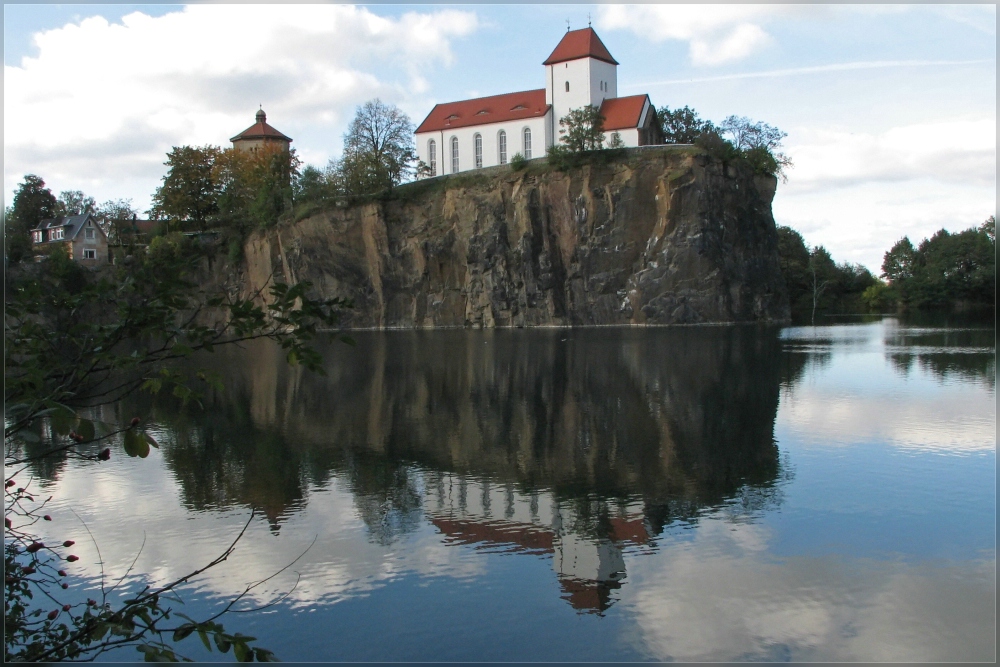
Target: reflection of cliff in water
(619,431)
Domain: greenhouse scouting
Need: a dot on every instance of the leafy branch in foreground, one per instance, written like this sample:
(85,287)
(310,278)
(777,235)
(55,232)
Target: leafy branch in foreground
(75,341)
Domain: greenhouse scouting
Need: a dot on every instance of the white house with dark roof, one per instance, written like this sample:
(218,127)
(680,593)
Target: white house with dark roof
(82,236)
(488,131)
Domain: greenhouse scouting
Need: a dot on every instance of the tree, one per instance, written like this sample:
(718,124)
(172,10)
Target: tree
(74,202)
(582,129)
(899,262)
(189,193)
(616,141)
(682,126)
(315,185)
(75,340)
(33,202)
(254,188)
(378,149)
(758,143)
(116,216)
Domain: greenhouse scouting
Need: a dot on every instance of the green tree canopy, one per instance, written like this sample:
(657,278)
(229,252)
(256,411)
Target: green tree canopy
(378,149)
(33,202)
(682,126)
(582,129)
(74,202)
(189,193)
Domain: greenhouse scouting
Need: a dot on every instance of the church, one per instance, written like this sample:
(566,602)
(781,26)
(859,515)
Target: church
(489,131)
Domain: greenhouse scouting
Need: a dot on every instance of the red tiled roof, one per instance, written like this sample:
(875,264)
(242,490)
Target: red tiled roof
(622,112)
(580,44)
(482,110)
(260,130)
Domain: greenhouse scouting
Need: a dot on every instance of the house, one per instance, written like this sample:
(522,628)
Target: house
(82,236)
(488,131)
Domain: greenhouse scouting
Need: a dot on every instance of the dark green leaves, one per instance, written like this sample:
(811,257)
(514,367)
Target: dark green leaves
(136,444)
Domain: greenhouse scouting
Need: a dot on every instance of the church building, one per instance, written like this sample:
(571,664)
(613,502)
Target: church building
(488,131)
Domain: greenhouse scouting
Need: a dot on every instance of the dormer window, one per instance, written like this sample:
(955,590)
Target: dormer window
(452,117)
(482,113)
(519,107)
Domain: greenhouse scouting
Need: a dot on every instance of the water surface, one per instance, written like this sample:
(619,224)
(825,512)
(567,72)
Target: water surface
(696,493)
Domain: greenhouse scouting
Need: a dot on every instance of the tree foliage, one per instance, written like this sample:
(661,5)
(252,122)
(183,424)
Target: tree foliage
(815,283)
(945,270)
(189,193)
(74,202)
(759,143)
(582,129)
(254,188)
(378,149)
(33,202)
(682,126)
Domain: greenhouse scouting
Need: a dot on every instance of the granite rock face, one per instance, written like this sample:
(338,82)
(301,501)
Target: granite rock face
(660,236)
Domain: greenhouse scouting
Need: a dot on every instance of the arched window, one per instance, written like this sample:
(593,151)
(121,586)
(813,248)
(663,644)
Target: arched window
(477,145)
(527,143)
(432,159)
(454,155)
(567,86)
(502,146)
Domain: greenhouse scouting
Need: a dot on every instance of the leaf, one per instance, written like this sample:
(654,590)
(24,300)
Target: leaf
(263,655)
(99,631)
(151,440)
(242,652)
(135,444)
(204,639)
(86,429)
(184,631)
(222,642)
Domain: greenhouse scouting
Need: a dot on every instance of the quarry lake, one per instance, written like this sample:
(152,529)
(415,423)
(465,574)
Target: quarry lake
(604,494)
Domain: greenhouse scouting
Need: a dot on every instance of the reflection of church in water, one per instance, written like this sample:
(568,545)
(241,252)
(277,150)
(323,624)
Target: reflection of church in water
(586,554)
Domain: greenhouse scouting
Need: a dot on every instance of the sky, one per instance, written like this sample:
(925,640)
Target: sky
(890,110)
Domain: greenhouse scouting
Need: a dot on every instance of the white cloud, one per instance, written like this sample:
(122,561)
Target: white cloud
(113,97)
(857,193)
(716,34)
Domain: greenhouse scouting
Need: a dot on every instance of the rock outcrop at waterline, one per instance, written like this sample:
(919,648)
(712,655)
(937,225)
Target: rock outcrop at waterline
(658,236)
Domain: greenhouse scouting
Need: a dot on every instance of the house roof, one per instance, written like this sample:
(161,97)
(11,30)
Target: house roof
(482,110)
(623,112)
(580,44)
(261,130)
(71,224)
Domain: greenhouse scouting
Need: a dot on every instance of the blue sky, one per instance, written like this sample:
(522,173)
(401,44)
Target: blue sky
(890,110)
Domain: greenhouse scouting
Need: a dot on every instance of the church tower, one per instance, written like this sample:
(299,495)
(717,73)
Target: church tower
(579,72)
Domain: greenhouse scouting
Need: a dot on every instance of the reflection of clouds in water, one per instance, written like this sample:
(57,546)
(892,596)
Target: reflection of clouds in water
(962,420)
(719,597)
(139,496)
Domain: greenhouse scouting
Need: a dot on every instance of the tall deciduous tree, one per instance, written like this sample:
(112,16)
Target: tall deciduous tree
(74,202)
(378,149)
(582,129)
(116,216)
(189,193)
(33,202)
(759,143)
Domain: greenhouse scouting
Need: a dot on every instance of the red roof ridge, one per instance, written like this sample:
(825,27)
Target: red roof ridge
(583,43)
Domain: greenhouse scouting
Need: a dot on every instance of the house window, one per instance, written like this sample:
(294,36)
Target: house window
(477,143)
(88,233)
(454,155)
(567,86)
(90,254)
(527,143)
(432,156)
(502,146)
(38,237)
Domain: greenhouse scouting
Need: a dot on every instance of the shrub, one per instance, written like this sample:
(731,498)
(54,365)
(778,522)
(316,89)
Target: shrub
(518,162)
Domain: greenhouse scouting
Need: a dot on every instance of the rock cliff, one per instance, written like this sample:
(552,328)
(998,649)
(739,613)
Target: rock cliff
(662,235)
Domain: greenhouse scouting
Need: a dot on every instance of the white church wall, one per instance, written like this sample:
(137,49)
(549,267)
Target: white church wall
(630,137)
(540,140)
(584,76)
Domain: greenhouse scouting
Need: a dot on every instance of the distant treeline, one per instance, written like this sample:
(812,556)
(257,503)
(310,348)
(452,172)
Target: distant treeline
(946,272)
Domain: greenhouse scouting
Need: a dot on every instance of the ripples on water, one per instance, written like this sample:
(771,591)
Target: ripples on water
(717,493)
